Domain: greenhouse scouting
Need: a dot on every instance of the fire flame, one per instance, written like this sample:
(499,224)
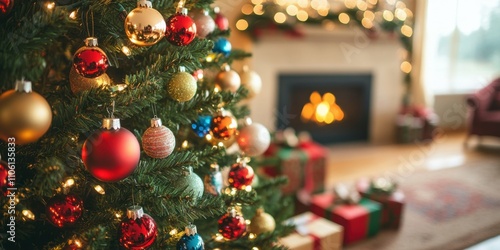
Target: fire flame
(322,110)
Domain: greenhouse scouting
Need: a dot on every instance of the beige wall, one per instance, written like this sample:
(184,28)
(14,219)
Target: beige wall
(345,50)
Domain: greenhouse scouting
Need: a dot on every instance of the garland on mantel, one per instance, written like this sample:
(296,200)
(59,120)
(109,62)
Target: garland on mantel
(372,16)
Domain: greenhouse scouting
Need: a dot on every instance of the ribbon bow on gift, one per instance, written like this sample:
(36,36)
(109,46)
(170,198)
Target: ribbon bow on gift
(345,194)
(383,185)
(300,222)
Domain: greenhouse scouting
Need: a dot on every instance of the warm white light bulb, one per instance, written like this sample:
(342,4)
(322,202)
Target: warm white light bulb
(126,50)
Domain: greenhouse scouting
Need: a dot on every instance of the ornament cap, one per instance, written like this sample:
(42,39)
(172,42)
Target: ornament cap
(144,4)
(190,230)
(232,211)
(259,211)
(135,212)
(223,112)
(182,11)
(91,42)
(226,67)
(248,121)
(246,68)
(23,86)
(216,10)
(111,123)
(182,69)
(156,122)
(187,171)
(214,167)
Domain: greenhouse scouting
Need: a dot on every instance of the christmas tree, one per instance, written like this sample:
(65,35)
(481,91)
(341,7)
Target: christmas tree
(111,114)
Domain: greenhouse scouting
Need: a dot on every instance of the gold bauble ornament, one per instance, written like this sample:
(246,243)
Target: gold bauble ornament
(144,25)
(261,223)
(182,87)
(79,83)
(228,79)
(223,128)
(25,115)
(252,81)
(226,143)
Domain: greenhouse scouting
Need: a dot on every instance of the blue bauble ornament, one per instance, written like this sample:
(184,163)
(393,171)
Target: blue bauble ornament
(191,240)
(222,45)
(201,127)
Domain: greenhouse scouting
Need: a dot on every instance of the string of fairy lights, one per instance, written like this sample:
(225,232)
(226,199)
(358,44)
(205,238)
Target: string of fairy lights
(368,12)
(391,16)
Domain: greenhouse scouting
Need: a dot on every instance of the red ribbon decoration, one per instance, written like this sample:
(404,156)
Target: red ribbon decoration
(317,242)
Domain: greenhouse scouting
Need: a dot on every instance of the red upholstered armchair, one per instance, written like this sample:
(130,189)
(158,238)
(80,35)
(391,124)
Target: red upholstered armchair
(484,111)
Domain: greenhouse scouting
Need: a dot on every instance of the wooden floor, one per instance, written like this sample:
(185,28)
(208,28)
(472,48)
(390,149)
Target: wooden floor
(349,162)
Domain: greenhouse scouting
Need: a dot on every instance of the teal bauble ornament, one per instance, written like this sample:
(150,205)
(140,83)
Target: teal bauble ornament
(213,181)
(193,185)
(191,240)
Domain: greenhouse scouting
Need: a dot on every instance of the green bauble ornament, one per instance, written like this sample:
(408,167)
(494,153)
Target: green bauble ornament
(182,87)
(192,184)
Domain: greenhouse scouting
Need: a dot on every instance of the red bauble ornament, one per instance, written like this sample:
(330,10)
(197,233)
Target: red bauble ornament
(198,74)
(241,175)
(111,153)
(220,20)
(4,174)
(181,28)
(158,141)
(232,225)
(64,210)
(90,61)
(138,231)
(5,7)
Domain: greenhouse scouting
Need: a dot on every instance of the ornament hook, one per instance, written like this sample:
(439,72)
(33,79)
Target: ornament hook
(154,110)
(87,22)
(181,4)
(112,112)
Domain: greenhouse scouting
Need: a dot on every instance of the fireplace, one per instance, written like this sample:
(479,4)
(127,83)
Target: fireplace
(340,106)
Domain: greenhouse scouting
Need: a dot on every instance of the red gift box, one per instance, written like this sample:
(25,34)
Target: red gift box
(360,220)
(392,203)
(392,208)
(315,168)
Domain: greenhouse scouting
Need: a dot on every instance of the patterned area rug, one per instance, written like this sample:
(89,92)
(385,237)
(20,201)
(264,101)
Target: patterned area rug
(446,209)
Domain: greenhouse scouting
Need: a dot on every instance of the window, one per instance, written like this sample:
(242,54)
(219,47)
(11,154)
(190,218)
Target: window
(462,45)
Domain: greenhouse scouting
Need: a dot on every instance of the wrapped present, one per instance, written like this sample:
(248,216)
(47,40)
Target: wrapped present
(359,220)
(315,168)
(313,233)
(289,162)
(391,198)
(302,160)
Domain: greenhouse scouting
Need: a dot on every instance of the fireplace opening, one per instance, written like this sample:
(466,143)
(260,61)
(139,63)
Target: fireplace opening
(332,108)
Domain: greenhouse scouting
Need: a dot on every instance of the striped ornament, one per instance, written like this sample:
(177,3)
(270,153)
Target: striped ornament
(158,141)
